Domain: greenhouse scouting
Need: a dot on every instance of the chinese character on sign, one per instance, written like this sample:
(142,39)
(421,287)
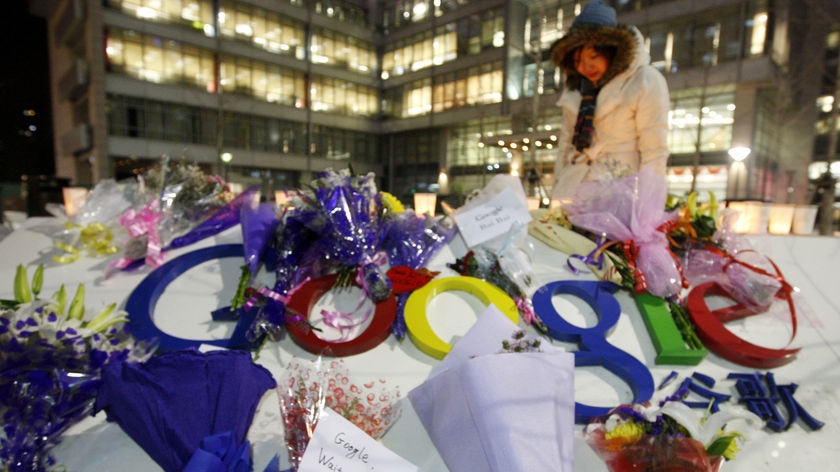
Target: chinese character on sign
(757,391)
(700,385)
(761,394)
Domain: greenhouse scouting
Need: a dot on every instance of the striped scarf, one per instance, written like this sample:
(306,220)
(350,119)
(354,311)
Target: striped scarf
(583,126)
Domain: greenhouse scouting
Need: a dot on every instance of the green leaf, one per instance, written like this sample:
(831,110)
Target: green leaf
(244,279)
(719,446)
(705,226)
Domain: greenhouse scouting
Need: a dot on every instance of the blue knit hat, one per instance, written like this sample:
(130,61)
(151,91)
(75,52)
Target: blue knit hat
(596,12)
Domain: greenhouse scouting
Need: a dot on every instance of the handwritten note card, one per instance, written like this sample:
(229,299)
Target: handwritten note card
(337,445)
(493,218)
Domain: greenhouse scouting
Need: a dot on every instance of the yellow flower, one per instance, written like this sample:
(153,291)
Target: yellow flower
(731,450)
(391,203)
(624,433)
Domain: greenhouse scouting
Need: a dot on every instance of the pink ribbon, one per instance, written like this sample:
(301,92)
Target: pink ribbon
(266,293)
(344,322)
(137,224)
(145,222)
(276,296)
(335,319)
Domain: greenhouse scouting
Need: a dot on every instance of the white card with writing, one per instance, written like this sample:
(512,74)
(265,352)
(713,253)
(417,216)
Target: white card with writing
(492,218)
(337,445)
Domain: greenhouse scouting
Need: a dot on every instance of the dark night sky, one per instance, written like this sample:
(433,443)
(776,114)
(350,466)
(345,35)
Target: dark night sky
(24,85)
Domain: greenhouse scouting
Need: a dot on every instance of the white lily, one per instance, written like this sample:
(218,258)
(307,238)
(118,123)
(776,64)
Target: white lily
(703,429)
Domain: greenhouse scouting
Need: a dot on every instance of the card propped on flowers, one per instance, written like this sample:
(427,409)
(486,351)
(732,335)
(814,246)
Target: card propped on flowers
(499,207)
(338,444)
(500,402)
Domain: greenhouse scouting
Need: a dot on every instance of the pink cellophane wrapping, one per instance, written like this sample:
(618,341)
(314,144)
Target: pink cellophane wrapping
(632,209)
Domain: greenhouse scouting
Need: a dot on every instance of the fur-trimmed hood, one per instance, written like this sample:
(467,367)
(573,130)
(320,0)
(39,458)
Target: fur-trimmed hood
(627,40)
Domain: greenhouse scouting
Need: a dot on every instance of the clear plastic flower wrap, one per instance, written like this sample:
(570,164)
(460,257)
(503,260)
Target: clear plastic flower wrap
(748,275)
(509,268)
(505,258)
(106,201)
(302,397)
(186,196)
(173,205)
(307,387)
(94,230)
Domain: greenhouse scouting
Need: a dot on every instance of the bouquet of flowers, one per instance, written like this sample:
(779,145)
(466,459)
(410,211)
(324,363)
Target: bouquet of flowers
(342,224)
(670,437)
(50,370)
(172,199)
(711,252)
(306,389)
(500,408)
(343,209)
(631,213)
(94,228)
(660,245)
(185,195)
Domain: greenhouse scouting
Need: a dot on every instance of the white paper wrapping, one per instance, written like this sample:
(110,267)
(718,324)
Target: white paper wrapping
(491,411)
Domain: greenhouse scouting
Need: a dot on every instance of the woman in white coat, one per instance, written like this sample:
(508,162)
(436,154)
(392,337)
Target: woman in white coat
(615,104)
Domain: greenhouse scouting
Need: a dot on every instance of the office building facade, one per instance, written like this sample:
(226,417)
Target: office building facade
(431,95)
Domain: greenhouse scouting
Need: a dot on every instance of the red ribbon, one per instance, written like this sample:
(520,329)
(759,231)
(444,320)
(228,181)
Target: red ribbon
(786,290)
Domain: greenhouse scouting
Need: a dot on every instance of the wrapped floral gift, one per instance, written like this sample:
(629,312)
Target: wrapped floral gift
(53,356)
(497,402)
(338,225)
(553,228)
(185,195)
(631,211)
(94,229)
(671,437)
(175,205)
(171,404)
(308,388)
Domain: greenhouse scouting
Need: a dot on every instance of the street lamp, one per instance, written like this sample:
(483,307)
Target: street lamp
(226,157)
(739,169)
(739,153)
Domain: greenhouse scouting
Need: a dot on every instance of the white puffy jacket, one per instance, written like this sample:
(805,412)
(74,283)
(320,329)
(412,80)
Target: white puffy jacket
(631,114)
